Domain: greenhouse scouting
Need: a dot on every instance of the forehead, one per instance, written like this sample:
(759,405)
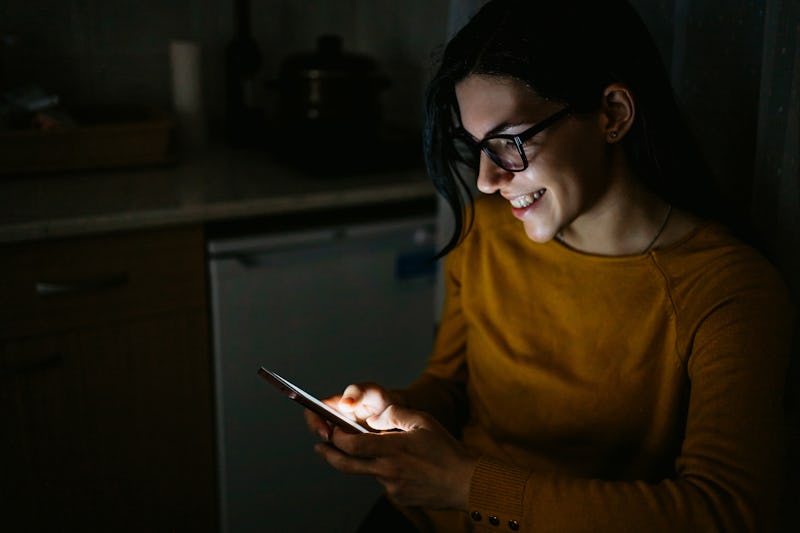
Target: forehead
(485,102)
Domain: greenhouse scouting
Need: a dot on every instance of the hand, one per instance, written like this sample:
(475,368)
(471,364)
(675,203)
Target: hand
(422,465)
(364,400)
(318,425)
(358,402)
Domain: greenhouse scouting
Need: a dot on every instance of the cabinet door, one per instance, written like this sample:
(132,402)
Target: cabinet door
(108,429)
(39,398)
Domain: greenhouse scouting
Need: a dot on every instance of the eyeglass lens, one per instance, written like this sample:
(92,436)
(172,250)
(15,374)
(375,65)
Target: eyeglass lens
(505,153)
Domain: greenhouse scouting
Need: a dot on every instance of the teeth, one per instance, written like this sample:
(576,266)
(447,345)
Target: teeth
(526,199)
(522,201)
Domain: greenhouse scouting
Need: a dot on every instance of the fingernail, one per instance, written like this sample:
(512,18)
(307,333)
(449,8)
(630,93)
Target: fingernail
(323,435)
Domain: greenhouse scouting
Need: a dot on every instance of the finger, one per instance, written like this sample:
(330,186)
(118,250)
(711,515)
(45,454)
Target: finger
(372,403)
(363,400)
(343,462)
(384,445)
(335,402)
(363,445)
(396,417)
(350,398)
(317,425)
(332,401)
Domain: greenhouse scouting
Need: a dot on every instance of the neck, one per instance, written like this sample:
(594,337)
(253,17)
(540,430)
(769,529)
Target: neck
(628,219)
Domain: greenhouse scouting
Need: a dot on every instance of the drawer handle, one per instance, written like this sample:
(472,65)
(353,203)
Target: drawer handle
(47,288)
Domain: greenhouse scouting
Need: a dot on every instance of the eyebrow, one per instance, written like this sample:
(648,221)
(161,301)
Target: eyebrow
(500,128)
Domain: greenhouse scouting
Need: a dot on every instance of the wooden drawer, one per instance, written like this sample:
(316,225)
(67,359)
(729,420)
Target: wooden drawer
(109,428)
(56,285)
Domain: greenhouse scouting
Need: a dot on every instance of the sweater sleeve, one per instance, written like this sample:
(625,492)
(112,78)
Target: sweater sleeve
(728,476)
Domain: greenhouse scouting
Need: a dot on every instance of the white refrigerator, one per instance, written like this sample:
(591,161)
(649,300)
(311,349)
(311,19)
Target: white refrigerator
(324,307)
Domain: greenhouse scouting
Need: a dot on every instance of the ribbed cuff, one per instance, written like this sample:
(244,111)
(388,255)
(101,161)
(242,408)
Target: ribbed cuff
(497,492)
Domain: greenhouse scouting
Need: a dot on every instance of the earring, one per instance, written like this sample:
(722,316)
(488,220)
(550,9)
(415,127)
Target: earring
(613,134)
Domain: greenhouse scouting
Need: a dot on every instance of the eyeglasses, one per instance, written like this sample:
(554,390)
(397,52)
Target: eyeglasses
(506,150)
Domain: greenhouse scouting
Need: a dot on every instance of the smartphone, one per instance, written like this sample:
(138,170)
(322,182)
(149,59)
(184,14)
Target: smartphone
(310,402)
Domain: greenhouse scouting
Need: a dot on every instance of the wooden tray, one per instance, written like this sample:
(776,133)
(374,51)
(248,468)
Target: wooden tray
(103,138)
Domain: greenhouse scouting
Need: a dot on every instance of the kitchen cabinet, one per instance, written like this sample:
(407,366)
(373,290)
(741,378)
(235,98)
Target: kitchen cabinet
(105,384)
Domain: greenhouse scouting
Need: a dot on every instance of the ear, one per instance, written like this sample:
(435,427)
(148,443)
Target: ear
(618,111)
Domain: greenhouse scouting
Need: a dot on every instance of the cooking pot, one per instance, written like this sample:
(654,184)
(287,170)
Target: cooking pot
(329,89)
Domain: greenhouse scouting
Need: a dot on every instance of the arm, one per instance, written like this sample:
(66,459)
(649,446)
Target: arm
(728,475)
(441,389)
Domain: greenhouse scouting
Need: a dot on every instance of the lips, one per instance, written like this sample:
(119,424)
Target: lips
(526,200)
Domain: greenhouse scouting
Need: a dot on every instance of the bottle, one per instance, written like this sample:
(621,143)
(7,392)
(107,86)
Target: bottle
(244,120)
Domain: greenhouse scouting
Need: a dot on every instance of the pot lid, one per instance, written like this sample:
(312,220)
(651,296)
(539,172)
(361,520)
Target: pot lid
(328,58)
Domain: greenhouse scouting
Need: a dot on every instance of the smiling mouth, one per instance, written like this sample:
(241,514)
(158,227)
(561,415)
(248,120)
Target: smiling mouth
(521,202)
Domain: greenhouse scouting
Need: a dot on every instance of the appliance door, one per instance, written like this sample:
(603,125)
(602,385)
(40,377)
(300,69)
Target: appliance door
(324,308)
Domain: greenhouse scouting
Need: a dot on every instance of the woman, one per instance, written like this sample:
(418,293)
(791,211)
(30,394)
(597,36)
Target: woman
(609,358)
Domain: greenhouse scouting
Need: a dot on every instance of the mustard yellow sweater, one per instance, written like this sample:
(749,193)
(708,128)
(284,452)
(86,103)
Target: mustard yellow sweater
(610,394)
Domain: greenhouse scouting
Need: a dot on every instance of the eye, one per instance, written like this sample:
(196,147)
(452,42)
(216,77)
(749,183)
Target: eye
(503,144)
(530,148)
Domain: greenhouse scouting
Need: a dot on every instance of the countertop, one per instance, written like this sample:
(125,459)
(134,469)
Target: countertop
(217,185)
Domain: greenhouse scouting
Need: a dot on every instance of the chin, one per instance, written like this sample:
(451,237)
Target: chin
(537,233)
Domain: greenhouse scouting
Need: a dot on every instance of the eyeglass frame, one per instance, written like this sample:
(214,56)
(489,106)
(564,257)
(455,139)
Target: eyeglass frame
(518,138)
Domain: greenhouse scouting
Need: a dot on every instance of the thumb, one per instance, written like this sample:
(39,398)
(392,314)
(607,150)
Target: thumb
(395,417)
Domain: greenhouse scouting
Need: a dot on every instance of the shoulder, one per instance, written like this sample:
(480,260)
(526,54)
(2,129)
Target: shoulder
(716,280)
(711,253)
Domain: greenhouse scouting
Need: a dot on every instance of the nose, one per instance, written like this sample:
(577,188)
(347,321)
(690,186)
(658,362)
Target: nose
(491,177)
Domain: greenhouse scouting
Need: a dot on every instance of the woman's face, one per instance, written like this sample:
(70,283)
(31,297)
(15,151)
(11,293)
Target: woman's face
(568,163)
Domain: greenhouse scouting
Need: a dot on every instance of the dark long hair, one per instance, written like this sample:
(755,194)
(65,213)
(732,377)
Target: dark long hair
(568,51)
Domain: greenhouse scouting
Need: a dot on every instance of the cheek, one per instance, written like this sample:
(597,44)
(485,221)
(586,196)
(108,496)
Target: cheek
(578,168)
(560,171)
